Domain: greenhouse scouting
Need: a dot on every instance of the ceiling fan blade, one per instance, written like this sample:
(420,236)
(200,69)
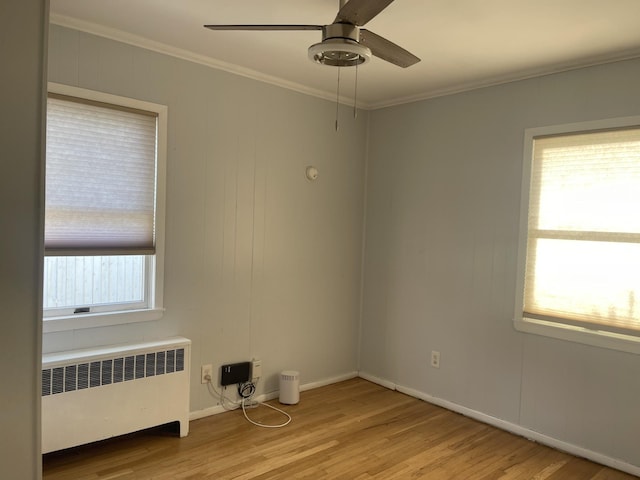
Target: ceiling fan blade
(359,12)
(264,27)
(386,50)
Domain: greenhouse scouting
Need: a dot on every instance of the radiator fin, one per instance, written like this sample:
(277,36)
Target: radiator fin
(150,371)
(180,360)
(57,382)
(79,376)
(118,370)
(70,375)
(171,361)
(107,372)
(46,382)
(94,374)
(83,376)
(160,363)
(140,366)
(129,370)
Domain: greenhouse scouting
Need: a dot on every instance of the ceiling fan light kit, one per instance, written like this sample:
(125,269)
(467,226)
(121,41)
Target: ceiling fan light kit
(340,47)
(339,53)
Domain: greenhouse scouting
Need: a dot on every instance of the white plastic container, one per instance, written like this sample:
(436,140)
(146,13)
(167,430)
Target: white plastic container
(289,387)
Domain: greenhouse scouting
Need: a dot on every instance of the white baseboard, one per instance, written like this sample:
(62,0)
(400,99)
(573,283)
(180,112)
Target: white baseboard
(379,381)
(510,427)
(215,410)
(207,412)
(328,381)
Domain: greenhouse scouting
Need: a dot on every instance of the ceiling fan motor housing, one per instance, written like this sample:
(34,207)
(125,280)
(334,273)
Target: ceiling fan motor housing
(341,30)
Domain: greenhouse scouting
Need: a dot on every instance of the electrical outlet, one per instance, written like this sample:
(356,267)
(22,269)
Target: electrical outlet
(206,371)
(435,359)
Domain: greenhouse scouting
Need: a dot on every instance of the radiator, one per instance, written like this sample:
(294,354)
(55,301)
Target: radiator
(90,395)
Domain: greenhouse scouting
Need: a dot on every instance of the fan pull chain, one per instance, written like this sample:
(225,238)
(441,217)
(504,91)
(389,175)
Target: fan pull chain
(337,99)
(355,96)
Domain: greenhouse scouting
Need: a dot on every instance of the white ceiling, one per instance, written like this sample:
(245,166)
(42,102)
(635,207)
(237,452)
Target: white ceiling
(463,44)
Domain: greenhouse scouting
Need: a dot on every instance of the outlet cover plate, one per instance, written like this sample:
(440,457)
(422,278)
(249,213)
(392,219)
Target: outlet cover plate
(435,359)
(206,370)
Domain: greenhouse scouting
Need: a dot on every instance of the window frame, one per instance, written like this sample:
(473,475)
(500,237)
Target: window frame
(563,331)
(154,263)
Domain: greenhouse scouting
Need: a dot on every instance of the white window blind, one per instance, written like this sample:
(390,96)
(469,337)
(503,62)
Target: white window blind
(583,246)
(100,179)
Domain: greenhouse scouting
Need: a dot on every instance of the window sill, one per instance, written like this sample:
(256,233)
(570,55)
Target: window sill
(91,320)
(595,338)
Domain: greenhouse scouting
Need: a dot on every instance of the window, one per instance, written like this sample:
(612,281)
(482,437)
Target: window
(104,209)
(579,266)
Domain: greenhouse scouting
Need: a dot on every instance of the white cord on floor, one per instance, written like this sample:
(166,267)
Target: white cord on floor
(262,424)
(243,404)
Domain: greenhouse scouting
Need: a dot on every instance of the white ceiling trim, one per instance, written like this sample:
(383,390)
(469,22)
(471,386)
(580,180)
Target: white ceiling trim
(501,80)
(142,42)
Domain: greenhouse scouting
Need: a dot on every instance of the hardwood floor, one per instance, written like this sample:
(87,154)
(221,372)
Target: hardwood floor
(351,430)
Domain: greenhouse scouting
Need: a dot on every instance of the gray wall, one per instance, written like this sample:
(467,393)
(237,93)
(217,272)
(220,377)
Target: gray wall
(443,195)
(259,261)
(22,50)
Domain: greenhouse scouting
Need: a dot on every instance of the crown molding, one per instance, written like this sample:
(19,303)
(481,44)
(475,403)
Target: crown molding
(158,47)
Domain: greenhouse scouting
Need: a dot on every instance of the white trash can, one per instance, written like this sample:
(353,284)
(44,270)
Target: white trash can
(289,387)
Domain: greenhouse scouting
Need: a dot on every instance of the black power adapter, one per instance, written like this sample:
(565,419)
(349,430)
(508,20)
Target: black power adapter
(235,373)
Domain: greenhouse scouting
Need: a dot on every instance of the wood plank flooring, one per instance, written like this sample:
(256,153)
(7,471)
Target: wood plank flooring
(352,430)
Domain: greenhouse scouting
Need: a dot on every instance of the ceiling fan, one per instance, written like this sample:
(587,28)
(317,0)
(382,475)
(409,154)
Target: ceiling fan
(344,43)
